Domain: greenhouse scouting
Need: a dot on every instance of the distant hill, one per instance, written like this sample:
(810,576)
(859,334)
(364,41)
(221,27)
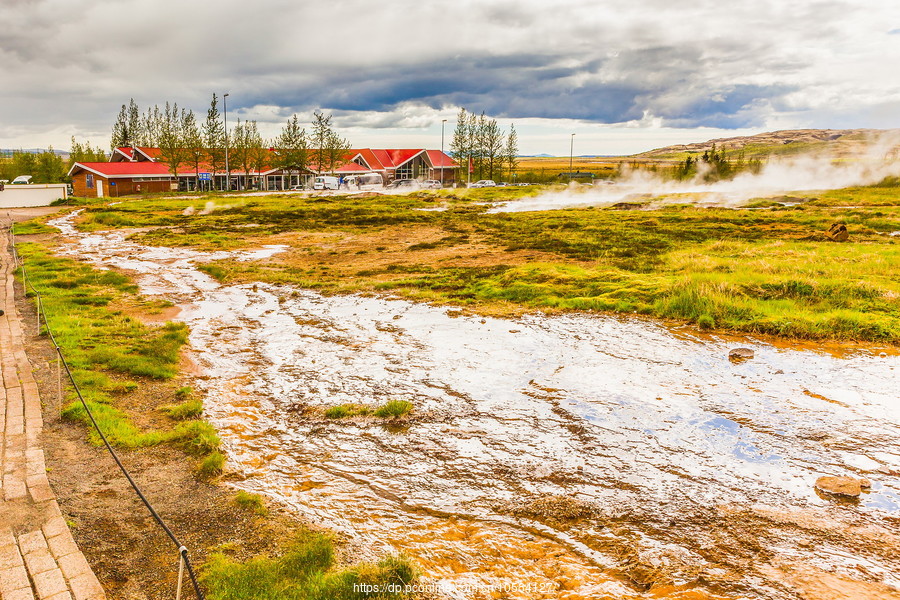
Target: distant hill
(9,151)
(836,142)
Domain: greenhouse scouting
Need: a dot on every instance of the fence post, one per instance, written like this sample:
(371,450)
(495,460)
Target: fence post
(38,314)
(181,552)
(59,374)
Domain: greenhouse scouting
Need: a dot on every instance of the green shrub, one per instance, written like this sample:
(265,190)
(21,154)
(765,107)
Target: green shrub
(186,410)
(394,408)
(251,502)
(211,465)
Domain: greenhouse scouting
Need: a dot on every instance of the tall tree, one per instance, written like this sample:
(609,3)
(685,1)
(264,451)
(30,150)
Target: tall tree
(151,127)
(171,139)
(49,167)
(239,149)
(511,151)
(460,147)
(120,135)
(257,152)
(135,133)
(292,148)
(493,148)
(321,131)
(214,138)
(192,143)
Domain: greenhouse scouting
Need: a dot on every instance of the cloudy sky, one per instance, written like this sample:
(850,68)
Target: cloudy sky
(623,76)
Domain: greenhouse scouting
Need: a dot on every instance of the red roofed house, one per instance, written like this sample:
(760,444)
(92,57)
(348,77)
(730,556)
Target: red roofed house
(134,170)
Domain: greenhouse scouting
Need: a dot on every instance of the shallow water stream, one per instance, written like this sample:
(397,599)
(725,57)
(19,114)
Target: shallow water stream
(563,457)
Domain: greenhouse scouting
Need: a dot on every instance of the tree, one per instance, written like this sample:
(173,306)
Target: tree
(192,142)
(492,139)
(151,127)
(511,151)
(135,133)
(330,147)
(49,167)
(460,147)
(321,129)
(292,148)
(120,133)
(214,138)
(171,139)
(257,153)
(240,149)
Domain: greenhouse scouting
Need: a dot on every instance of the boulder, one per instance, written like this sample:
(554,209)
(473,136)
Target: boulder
(737,355)
(838,232)
(840,486)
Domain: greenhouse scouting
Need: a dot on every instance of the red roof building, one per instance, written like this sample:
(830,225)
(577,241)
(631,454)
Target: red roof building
(139,170)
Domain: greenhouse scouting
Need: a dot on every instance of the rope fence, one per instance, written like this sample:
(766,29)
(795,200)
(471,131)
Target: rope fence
(62,365)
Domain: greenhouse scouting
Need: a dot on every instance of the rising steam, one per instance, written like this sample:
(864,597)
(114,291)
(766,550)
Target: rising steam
(779,176)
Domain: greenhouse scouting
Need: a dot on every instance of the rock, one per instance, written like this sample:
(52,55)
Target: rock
(737,355)
(865,483)
(838,232)
(840,486)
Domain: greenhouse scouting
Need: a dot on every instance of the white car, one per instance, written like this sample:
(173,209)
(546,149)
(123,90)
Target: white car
(484,183)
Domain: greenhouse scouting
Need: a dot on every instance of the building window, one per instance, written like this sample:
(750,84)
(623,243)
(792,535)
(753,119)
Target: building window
(90,181)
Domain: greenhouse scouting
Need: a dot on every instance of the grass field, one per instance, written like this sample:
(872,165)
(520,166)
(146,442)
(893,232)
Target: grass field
(768,270)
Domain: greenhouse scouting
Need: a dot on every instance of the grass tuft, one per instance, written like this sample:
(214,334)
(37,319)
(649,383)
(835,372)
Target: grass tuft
(394,408)
(250,502)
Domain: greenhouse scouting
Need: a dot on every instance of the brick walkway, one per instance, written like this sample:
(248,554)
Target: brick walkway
(38,557)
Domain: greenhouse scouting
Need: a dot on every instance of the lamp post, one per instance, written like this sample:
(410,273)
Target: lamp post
(571,154)
(442,152)
(227,170)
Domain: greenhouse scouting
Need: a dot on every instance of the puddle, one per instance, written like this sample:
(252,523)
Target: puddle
(653,433)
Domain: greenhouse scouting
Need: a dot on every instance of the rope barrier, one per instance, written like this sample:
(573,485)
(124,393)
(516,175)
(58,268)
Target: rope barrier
(183,560)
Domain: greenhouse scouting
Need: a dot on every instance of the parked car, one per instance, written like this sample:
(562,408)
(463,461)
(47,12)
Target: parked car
(404,183)
(325,182)
(484,183)
(22,180)
(366,181)
(431,184)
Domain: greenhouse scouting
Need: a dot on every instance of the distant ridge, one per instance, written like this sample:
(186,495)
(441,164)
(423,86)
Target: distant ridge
(790,141)
(9,151)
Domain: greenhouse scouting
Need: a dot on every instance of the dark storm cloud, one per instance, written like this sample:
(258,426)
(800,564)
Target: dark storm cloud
(683,64)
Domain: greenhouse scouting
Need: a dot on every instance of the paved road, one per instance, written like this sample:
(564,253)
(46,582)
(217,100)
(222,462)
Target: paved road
(38,557)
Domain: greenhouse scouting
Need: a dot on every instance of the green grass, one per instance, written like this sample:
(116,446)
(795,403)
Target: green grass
(211,465)
(394,408)
(108,351)
(250,502)
(189,409)
(32,226)
(343,411)
(306,570)
(769,270)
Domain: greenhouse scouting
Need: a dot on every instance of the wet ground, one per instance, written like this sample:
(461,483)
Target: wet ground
(569,456)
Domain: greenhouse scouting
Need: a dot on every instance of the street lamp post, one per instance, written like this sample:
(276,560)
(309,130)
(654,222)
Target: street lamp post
(571,154)
(442,152)
(227,169)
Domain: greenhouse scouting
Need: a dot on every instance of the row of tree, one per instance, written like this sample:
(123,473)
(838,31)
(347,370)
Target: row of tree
(480,142)
(183,141)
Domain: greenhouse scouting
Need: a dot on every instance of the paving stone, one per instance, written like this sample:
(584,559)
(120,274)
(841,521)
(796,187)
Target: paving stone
(32,542)
(62,545)
(53,527)
(49,583)
(14,578)
(39,562)
(73,565)
(21,594)
(86,587)
(61,596)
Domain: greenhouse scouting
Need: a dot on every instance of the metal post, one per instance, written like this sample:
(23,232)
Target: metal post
(442,152)
(181,552)
(59,374)
(227,169)
(38,315)
(571,154)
